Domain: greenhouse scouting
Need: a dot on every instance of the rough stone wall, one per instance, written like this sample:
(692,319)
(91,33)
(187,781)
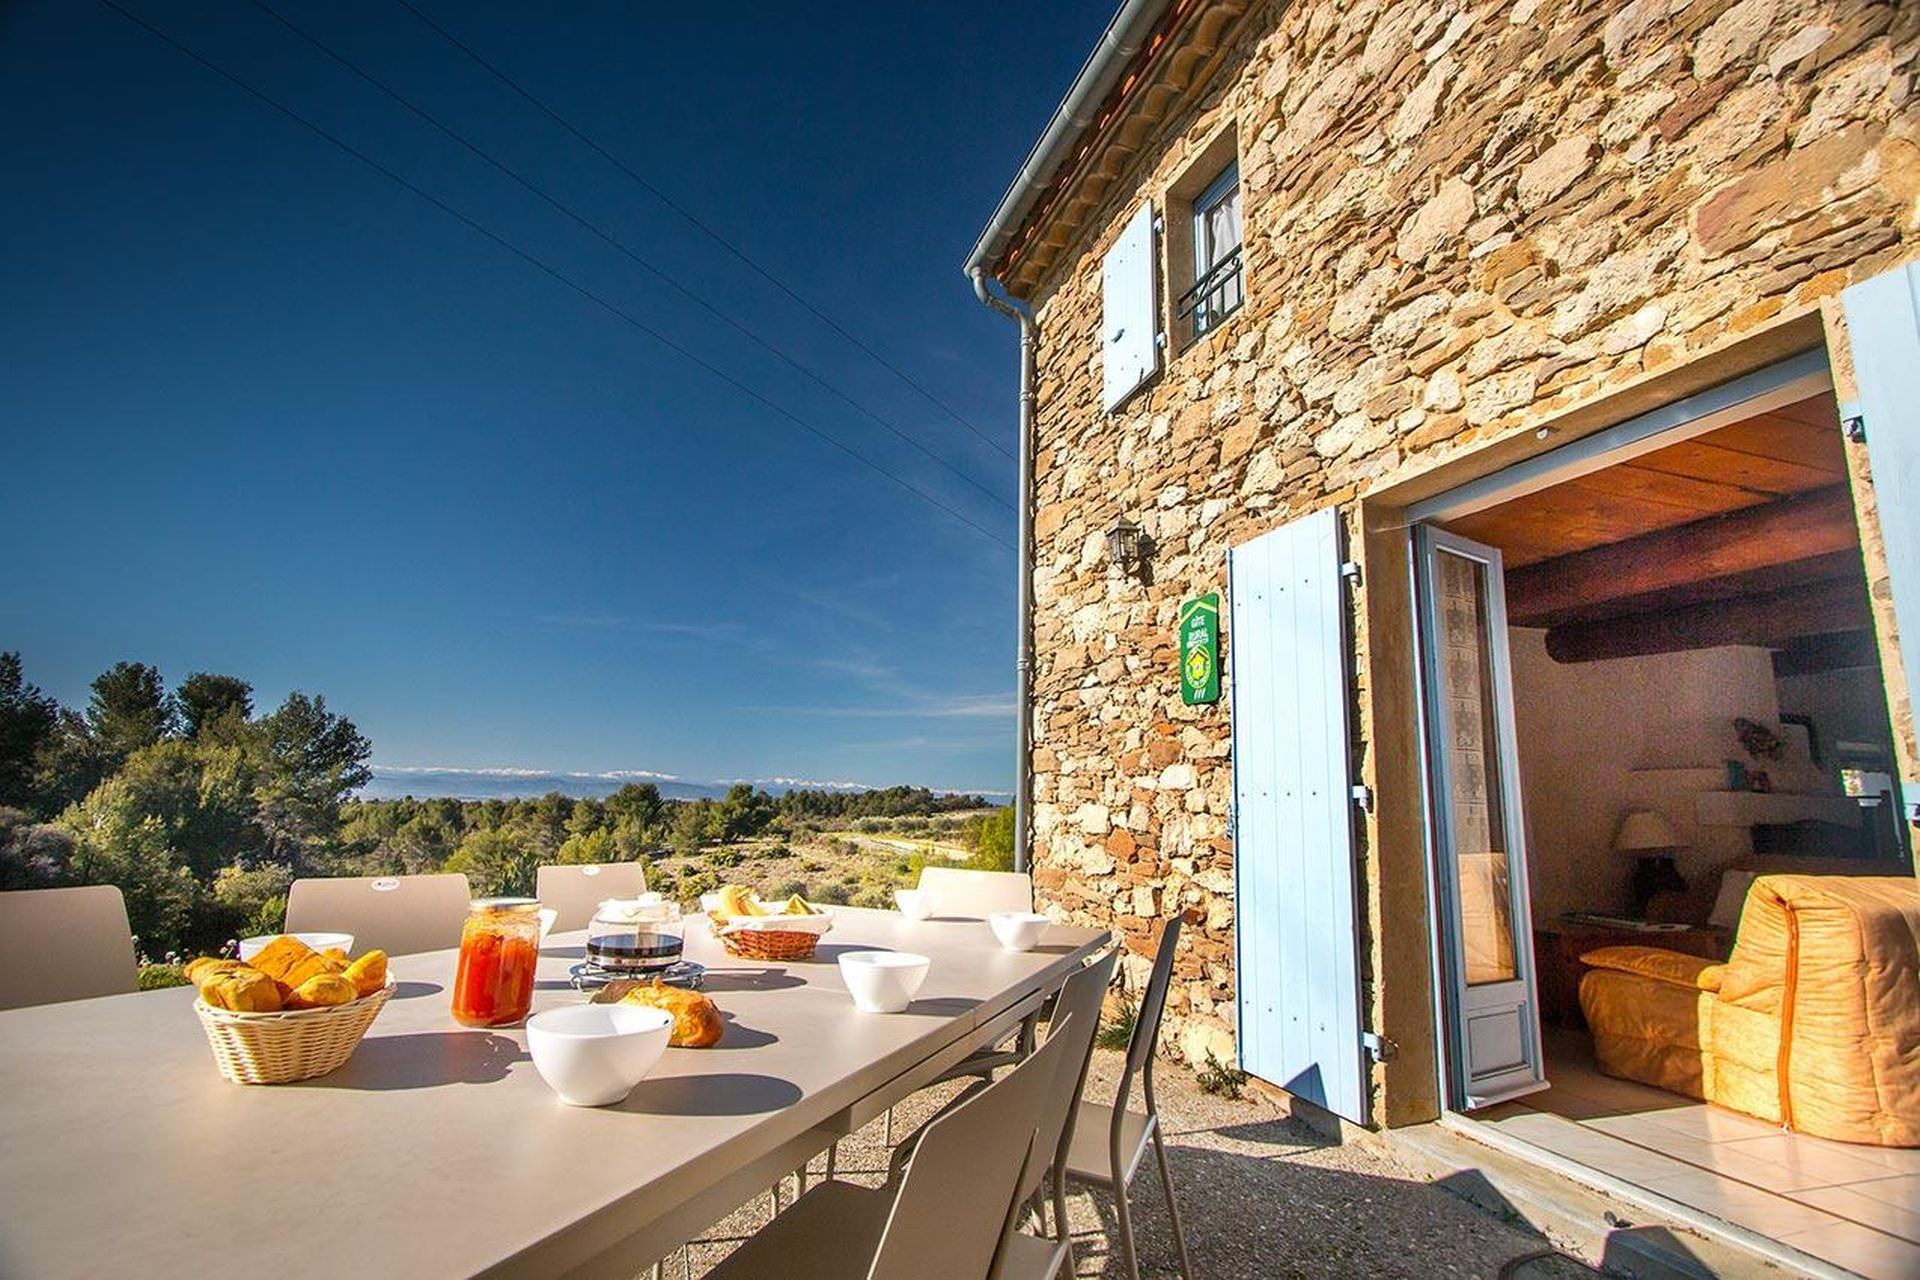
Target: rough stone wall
(1461,218)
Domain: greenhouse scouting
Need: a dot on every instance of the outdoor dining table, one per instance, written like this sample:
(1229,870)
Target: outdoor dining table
(438,1150)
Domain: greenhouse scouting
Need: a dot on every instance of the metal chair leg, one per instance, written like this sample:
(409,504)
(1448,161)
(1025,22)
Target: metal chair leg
(660,1270)
(1124,1217)
(833,1150)
(1173,1207)
(886,1135)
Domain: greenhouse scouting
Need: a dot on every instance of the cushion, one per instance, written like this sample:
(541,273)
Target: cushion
(1658,963)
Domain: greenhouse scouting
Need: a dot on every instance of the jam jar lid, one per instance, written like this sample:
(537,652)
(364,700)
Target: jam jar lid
(505,905)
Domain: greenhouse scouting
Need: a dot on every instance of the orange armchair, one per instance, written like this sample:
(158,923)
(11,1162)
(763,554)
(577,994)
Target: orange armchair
(1813,1022)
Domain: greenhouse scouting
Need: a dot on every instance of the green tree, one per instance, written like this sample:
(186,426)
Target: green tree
(129,710)
(745,812)
(496,862)
(202,798)
(993,840)
(114,844)
(312,761)
(33,855)
(638,803)
(210,701)
(695,823)
(592,846)
(29,719)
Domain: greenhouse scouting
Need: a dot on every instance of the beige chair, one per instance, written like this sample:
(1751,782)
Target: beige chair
(1075,1020)
(1108,1141)
(64,944)
(950,1215)
(977,894)
(401,915)
(575,889)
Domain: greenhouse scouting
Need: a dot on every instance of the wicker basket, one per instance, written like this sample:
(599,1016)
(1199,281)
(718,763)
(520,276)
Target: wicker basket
(297,1044)
(770,944)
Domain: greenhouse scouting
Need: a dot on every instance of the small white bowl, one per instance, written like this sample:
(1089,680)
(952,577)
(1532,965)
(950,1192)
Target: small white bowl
(917,904)
(251,947)
(883,981)
(593,1054)
(1018,930)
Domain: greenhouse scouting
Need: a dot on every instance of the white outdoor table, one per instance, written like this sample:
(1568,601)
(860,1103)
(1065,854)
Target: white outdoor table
(438,1150)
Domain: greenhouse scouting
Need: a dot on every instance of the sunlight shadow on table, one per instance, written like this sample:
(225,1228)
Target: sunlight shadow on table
(422,1060)
(414,990)
(726,1093)
(749,980)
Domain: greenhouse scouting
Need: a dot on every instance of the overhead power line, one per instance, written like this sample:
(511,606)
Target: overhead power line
(625,250)
(707,230)
(554,273)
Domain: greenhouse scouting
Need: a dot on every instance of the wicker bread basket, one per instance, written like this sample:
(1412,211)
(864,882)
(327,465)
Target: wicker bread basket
(762,938)
(296,1044)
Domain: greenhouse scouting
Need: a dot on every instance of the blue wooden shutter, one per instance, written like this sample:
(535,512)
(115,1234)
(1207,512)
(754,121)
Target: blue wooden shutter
(1129,315)
(1883,330)
(1297,925)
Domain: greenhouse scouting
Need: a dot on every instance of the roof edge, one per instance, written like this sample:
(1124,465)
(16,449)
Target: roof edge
(1133,24)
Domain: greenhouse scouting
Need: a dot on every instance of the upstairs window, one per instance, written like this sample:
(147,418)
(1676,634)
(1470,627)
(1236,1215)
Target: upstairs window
(1217,290)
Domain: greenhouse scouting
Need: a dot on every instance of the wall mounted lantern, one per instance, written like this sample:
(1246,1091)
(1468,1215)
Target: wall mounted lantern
(1127,547)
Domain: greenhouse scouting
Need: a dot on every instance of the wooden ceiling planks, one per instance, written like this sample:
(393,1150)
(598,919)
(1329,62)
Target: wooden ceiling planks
(1790,450)
(1744,534)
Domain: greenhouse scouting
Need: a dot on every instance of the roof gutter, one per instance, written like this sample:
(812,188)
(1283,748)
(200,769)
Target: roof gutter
(1125,36)
(1023,666)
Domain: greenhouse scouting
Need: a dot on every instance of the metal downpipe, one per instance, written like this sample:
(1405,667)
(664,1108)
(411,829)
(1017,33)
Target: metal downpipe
(1023,671)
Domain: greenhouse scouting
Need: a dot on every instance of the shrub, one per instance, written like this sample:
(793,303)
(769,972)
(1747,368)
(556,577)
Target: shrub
(833,894)
(1221,1079)
(1117,1032)
(158,977)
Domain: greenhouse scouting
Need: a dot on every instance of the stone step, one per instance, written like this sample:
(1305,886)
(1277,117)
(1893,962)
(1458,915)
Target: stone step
(1621,1229)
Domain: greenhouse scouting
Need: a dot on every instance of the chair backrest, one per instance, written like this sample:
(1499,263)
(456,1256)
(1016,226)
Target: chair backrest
(400,915)
(1076,1019)
(957,1201)
(64,944)
(977,893)
(1153,1004)
(574,890)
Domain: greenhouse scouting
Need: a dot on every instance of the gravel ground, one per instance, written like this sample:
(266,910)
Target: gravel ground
(1261,1195)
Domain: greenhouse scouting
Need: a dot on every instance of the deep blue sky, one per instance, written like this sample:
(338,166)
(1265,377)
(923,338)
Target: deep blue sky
(265,412)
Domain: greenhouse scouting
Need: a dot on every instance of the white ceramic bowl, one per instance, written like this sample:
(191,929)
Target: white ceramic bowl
(251,947)
(593,1054)
(1018,930)
(917,904)
(883,981)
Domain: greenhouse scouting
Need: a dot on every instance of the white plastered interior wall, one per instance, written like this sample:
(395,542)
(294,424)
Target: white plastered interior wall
(1598,738)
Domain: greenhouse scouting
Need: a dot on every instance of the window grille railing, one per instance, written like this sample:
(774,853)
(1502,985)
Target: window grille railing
(1214,297)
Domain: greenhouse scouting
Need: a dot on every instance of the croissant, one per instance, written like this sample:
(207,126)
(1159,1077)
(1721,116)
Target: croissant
(290,962)
(320,990)
(369,973)
(696,1019)
(241,989)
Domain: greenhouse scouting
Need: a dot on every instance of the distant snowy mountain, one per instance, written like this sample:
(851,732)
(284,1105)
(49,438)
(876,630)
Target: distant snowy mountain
(391,782)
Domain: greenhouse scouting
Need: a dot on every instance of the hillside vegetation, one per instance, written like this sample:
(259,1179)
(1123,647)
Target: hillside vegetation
(204,812)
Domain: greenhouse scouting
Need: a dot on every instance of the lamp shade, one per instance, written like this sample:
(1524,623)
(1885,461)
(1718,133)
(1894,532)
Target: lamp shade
(1643,829)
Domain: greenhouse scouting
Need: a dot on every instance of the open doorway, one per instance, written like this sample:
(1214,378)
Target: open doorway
(1650,675)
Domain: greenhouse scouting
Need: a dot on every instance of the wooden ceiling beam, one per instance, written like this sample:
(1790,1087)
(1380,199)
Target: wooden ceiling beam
(1769,621)
(1796,528)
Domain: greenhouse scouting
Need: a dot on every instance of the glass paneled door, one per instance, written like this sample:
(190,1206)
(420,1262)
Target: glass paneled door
(1477,839)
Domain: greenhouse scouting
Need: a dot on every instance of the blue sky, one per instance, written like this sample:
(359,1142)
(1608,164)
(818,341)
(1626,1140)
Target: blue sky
(266,412)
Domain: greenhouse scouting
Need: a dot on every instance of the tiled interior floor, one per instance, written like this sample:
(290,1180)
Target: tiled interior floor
(1855,1206)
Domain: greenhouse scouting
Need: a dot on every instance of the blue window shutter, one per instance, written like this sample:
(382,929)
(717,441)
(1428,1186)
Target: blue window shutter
(1883,330)
(1296,918)
(1129,317)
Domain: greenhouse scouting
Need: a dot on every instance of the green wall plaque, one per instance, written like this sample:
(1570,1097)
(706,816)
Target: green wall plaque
(1200,649)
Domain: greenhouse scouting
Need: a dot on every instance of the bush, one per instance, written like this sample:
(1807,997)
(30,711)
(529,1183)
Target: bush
(832,894)
(725,858)
(158,977)
(1117,1032)
(1220,1079)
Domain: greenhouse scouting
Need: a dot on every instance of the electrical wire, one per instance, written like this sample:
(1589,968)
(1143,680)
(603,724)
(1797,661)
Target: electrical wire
(702,226)
(541,266)
(625,250)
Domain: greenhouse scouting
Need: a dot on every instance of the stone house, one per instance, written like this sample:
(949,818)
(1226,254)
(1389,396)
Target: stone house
(1369,262)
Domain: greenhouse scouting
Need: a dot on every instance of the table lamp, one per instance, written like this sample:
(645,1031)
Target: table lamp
(1648,837)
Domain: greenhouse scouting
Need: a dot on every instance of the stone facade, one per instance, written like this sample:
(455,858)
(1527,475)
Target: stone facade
(1461,219)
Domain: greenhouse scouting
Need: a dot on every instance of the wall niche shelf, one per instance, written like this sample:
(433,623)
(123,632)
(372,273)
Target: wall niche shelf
(1757,808)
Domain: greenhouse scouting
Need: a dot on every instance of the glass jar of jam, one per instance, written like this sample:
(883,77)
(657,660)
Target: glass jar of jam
(499,950)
